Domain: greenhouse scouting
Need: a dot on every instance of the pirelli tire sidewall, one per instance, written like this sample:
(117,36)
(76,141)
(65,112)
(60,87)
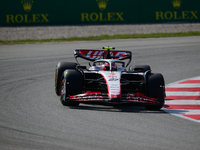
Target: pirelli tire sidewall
(73,83)
(60,68)
(155,88)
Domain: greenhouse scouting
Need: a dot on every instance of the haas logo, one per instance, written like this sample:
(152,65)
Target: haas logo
(100,54)
(113,79)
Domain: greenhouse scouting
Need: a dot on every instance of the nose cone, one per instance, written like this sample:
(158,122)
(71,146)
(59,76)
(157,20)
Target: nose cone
(112,79)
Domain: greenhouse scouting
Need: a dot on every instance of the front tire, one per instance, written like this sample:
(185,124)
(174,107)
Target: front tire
(71,85)
(60,68)
(155,88)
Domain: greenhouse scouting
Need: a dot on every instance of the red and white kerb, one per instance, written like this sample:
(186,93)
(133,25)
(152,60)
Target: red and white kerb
(183,99)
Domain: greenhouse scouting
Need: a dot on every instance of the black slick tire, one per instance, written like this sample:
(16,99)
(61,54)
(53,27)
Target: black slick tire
(155,88)
(142,68)
(71,84)
(60,68)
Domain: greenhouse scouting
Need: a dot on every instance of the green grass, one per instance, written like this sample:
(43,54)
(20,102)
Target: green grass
(103,37)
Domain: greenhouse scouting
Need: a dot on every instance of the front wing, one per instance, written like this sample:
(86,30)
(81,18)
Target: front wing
(93,96)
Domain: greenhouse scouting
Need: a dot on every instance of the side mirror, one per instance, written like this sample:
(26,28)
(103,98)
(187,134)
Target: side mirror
(90,64)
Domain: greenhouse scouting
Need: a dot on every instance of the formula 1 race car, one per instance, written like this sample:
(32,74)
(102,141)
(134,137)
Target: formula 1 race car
(108,80)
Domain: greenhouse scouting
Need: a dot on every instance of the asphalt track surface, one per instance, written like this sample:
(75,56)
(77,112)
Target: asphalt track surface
(32,117)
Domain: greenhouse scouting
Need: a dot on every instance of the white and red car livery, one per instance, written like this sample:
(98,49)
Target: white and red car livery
(108,80)
(100,54)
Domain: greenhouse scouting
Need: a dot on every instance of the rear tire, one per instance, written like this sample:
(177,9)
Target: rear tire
(142,68)
(71,85)
(60,68)
(155,88)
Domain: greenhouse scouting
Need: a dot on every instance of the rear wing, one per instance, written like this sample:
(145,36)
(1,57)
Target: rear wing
(93,55)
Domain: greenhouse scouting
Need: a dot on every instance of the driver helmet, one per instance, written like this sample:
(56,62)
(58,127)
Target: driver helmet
(114,67)
(105,67)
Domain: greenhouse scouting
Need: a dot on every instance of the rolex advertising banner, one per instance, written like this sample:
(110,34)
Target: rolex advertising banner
(88,12)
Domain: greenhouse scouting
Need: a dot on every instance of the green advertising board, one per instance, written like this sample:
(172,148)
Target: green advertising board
(76,12)
(157,11)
